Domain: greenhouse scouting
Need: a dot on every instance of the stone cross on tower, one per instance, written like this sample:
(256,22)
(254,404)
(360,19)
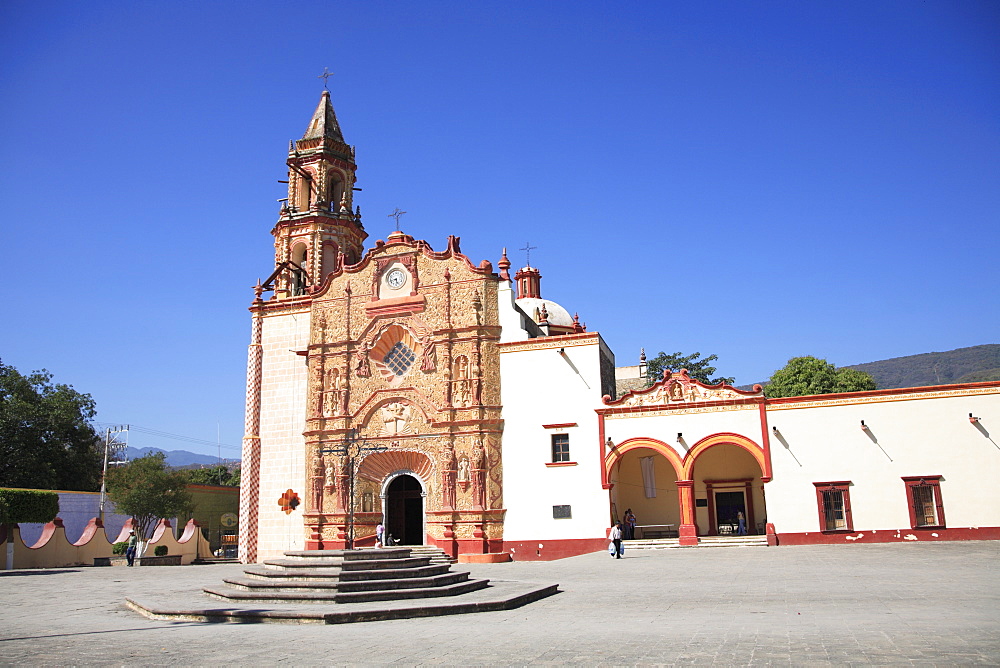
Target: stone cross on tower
(325,77)
(396,214)
(527,253)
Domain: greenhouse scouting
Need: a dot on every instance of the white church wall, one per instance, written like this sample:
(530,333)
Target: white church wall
(918,434)
(552,381)
(744,420)
(282,421)
(509,315)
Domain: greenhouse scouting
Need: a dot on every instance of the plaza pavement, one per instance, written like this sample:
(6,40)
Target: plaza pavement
(882,604)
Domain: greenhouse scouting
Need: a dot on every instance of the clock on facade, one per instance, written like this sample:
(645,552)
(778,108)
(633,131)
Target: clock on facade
(395,279)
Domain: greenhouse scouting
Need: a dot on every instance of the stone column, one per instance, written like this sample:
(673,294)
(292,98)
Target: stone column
(688,529)
(250,476)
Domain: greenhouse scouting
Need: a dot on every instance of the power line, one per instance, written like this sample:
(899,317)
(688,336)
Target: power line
(176,437)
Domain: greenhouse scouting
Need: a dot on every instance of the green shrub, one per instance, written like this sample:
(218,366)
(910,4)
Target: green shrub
(160,551)
(119,548)
(27,505)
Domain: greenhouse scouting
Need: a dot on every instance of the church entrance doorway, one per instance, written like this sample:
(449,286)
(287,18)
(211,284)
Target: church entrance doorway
(728,506)
(405,510)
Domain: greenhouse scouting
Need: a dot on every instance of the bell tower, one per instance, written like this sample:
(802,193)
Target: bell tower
(318,229)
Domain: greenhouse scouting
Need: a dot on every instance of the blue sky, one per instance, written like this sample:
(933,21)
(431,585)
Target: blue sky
(755,180)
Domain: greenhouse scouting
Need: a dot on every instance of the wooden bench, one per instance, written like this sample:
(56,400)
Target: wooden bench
(655,531)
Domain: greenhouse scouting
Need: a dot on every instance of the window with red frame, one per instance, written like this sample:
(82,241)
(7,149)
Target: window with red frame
(834,502)
(923,495)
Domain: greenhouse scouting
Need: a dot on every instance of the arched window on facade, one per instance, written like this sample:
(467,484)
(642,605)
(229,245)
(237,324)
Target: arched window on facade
(300,257)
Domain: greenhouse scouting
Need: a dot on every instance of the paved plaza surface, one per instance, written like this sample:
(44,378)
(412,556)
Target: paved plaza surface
(883,604)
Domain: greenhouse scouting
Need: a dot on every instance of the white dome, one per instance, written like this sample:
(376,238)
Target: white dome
(558,316)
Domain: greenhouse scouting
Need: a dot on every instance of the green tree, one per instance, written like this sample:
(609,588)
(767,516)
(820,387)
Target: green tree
(46,439)
(219,474)
(700,369)
(24,505)
(148,490)
(810,375)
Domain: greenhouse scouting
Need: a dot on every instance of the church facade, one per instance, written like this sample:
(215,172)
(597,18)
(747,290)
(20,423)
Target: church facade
(451,401)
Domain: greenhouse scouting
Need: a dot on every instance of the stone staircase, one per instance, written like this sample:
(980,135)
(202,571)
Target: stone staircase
(437,555)
(703,541)
(348,576)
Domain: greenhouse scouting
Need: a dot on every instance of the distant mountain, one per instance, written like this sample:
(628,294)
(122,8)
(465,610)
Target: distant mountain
(962,365)
(175,458)
(975,364)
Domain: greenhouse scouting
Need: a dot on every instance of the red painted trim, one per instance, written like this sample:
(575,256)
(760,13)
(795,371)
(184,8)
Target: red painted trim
(549,341)
(886,393)
(765,438)
(888,536)
(395,305)
(529,550)
(604,452)
(559,426)
(560,463)
(928,481)
(844,487)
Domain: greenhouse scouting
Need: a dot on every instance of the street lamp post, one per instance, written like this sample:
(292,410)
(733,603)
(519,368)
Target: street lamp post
(355,451)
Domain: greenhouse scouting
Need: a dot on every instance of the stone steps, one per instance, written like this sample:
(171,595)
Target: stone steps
(703,542)
(442,579)
(348,576)
(346,597)
(436,554)
(314,574)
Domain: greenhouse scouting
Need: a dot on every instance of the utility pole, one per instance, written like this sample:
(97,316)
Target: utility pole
(107,451)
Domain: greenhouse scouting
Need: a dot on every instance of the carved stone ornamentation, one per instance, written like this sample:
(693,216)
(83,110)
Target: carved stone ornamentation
(395,419)
(361,367)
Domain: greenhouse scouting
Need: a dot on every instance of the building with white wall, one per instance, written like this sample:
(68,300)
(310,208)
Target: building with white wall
(460,407)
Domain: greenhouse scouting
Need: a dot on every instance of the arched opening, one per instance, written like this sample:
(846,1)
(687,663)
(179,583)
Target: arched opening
(329,258)
(404,510)
(300,256)
(303,192)
(646,484)
(727,484)
(336,192)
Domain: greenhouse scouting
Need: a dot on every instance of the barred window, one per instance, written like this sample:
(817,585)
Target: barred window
(560,448)
(834,505)
(923,495)
(399,359)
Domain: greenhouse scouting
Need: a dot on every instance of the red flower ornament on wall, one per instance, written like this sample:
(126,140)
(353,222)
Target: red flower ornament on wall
(289,501)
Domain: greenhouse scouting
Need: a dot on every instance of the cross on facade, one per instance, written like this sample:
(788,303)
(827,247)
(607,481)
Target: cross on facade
(396,214)
(527,252)
(354,450)
(325,77)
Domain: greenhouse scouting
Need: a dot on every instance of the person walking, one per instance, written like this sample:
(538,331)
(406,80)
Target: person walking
(742,524)
(616,538)
(379,532)
(130,549)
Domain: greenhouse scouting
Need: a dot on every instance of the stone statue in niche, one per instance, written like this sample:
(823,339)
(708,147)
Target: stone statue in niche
(448,477)
(676,392)
(367,501)
(395,419)
(361,367)
(318,475)
(321,328)
(461,396)
(463,470)
(330,477)
(333,392)
(478,478)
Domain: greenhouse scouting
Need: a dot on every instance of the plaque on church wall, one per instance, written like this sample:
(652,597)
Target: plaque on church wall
(561,513)
(701,503)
